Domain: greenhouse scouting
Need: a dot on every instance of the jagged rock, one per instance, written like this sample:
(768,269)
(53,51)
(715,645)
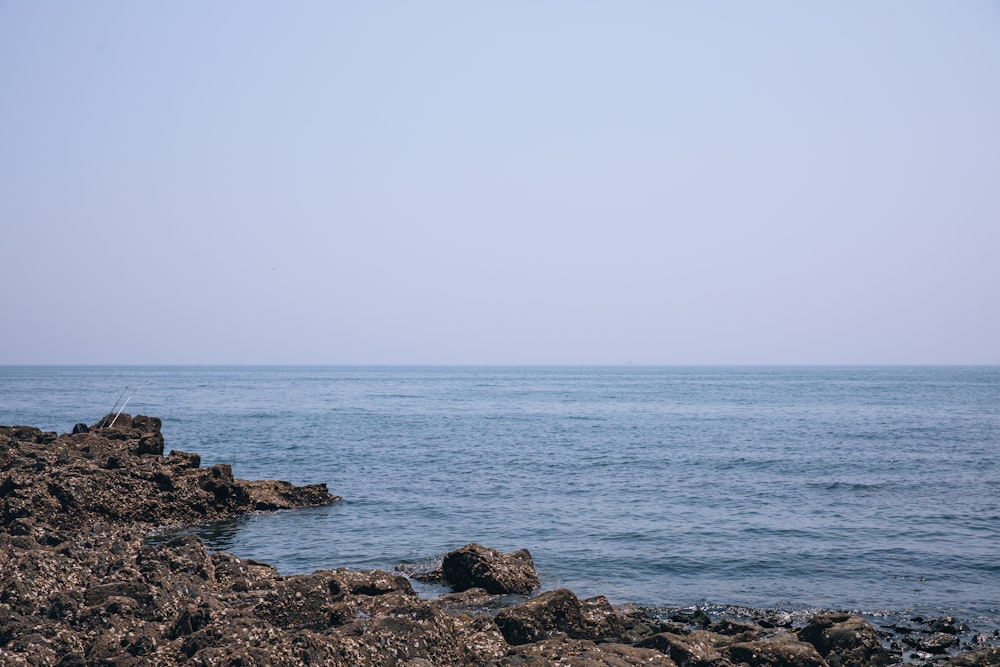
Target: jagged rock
(183,459)
(844,640)
(475,566)
(119,474)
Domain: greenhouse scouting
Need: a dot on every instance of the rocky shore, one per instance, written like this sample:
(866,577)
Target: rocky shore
(81,583)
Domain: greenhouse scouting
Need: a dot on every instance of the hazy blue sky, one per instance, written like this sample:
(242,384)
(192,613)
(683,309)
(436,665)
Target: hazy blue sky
(552,182)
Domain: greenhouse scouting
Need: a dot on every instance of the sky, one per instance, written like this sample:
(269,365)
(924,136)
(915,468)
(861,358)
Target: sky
(554,182)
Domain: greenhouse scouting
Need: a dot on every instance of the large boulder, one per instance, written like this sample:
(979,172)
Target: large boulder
(475,566)
(550,613)
(844,640)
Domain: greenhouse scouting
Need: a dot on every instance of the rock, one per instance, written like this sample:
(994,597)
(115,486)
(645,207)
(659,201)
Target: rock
(782,650)
(183,459)
(119,474)
(581,653)
(472,598)
(946,624)
(270,495)
(844,640)
(698,618)
(697,649)
(937,643)
(559,612)
(475,566)
(600,621)
(733,628)
(550,613)
(987,657)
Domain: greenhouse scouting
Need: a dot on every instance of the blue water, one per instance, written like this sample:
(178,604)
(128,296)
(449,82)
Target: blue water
(870,489)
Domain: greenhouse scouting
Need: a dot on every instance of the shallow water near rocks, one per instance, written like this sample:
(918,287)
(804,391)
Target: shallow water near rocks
(868,489)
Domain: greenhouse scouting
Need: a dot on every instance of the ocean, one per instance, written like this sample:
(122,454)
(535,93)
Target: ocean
(871,489)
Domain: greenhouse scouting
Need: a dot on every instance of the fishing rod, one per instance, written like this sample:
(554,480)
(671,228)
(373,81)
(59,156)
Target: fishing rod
(104,423)
(123,407)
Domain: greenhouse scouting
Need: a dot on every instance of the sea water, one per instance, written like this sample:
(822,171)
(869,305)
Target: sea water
(868,489)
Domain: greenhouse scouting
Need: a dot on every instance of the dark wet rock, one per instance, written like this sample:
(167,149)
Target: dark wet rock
(475,566)
(697,617)
(946,624)
(937,643)
(844,640)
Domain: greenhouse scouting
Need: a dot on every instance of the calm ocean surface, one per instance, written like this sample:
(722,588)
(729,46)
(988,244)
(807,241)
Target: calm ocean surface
(867,489)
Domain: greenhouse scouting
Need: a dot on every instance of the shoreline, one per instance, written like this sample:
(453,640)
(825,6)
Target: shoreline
(82,584)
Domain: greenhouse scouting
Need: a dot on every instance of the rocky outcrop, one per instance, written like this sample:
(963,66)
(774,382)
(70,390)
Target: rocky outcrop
(100,598)
(119,475)
(81,583)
